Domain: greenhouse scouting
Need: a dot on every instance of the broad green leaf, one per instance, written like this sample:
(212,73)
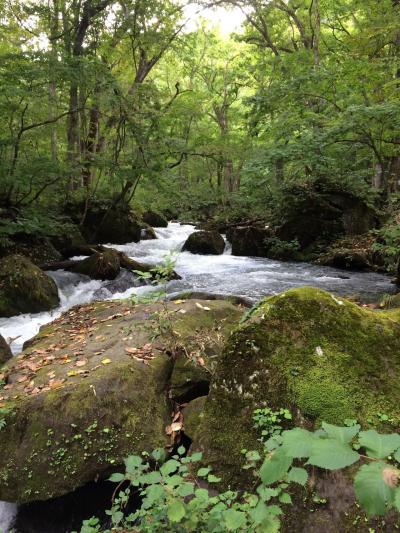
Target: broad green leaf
(377,445)
(186,489)
(298,475)
(116,478)
(372,488)
(234,520)
(297,442)
(342,434)
(266,493)
(332,454)
(213,479)
(151,478)
(203,472)
(275,467)
(176,511)
(195,457)
(132,462)
(285,498)
(259,513)
(169,467)
(271,524)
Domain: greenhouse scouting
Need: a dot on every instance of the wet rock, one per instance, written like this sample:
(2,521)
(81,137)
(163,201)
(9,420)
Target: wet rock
(147,233)
(91,389)
(204,242)
(101,265)
(25,288)
(248,240)
(345,259)
(5,351)
(154,219)
(307,350)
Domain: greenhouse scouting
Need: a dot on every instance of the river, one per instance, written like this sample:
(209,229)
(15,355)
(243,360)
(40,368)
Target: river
(222,274)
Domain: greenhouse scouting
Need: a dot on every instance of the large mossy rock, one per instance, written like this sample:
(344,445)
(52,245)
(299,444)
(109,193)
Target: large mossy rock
(324,358)
(204,242)
(92,388)
(5,351)
(154,219)
(24,288)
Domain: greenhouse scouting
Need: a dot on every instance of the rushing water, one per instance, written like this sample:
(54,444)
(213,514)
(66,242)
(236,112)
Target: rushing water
(223,274)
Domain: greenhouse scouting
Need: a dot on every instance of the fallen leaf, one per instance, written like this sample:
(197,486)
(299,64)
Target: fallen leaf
(176,426)
(22,379)
(81,362)
(72,373)
(106,361)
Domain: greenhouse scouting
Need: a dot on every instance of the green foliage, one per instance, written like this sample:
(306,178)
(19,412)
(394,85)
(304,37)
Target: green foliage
(269,421)
(171,499)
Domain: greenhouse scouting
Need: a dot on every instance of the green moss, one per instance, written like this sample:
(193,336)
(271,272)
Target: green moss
(323,357)
(25,288)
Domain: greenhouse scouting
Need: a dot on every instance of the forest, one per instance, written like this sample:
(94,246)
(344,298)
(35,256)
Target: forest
(199,266)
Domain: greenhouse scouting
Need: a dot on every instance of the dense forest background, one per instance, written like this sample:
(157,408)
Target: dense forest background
(121,102)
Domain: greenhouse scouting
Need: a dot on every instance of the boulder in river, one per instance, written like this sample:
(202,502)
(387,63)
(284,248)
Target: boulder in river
(154,219)
(147,233)
(322,357)
(25,288)
(204,242)
(5,351)
(38,248)
(101,265)
(92,388)
(248,240)
(345,259)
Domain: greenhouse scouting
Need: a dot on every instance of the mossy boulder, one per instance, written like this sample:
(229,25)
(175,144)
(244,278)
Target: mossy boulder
(101,265)
(92,388)
(321,356)
(5,351)
(38,248)
(154,219)
(188,380)
(24,288)
(204,242)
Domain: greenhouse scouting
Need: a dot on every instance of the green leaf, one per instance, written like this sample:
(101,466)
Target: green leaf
(271,524)
(196,457)
(176,511)
(259,513)
(116,478)
(234,519)
(332,454)
(275,467)
(285,498)
(169,467)
(342,434)
(203,472)
(297,442)
(377,445)
(298,475)
(372,489)
(186,489)
(151,478)
(213,479)
(132,462)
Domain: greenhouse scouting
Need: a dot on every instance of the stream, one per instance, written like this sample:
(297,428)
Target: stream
(222,274)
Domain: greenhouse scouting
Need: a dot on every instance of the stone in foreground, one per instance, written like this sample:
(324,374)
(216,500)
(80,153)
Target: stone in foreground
(92,388)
